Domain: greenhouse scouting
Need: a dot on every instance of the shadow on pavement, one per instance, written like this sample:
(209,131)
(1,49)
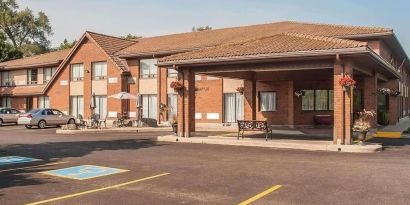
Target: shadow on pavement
(391,142)
(51,152)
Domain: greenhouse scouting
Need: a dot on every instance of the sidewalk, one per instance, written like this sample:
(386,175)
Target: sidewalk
(312,145)
(394,131)
(115,130)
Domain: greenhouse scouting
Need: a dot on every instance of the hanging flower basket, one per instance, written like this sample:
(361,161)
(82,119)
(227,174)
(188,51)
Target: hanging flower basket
(395,93)
(177,85)
(385,91)
(347,82)
(240,90)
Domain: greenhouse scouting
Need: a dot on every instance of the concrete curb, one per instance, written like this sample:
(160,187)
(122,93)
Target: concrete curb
(294,144)
(113,130)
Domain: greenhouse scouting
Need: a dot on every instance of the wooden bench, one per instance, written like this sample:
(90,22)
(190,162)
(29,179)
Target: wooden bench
(253,125)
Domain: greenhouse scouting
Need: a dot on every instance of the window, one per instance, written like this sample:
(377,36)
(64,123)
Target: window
(172,106)
(5,78)
(77,106)
(48,74)
(43,102)
(267,101)
(317,100)
(172,73)
(99,70)
(233,107)
(149,106)
(6,102)
(101,106)
(198,77)
(148,68)
(32,76)
(29,103)
(77,72)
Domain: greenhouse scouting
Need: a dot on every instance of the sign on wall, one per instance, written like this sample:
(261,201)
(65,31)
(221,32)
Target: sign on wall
(64,82)
(112,80)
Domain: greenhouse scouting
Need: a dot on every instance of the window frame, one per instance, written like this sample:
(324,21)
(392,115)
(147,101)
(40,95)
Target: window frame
(150,74)
(8,82)
(98,77)
(172,74)
(29,74)
(52,72)
(260,101)
(314,101)
(81,77)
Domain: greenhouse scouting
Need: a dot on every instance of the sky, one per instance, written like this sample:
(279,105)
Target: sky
(71,18)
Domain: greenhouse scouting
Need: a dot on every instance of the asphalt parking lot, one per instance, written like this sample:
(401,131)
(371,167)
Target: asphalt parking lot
(169,173)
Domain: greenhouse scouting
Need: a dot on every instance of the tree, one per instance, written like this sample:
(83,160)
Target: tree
(7,51)
(66,45)
(24,29)
(130,37)
(202,28)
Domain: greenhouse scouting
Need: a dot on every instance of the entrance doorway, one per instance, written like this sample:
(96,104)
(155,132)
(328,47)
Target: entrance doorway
(233,107)
(382,109)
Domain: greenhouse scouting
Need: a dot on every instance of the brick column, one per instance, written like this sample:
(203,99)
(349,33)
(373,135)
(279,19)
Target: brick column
(291,112)
(250,99)
(162,93)
(370,96)
(342,110)
(186,104)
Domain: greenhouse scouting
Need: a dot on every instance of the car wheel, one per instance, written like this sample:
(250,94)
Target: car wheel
(27,126)
(42,124)
(71,121)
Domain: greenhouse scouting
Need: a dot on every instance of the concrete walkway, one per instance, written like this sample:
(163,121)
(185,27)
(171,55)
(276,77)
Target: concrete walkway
(115,130)
(394,131)
(313,145)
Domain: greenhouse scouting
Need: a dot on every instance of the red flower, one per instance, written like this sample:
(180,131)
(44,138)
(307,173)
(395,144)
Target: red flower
(347,81)
(176,85)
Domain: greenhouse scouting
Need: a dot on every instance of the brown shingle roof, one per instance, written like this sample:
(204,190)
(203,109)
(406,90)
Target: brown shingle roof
(38,60)
(111,45)
(279,43)
(195,40)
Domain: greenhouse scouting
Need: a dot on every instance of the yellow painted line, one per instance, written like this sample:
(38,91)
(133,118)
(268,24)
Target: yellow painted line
(69,177)
(97,190)
(42,165)
(260,195)
(388,134)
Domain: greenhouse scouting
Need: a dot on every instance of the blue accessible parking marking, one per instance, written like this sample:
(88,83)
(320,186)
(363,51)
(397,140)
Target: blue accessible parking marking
(84,172)
(16,160)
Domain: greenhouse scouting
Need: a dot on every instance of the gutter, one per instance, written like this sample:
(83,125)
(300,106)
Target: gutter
(312,53)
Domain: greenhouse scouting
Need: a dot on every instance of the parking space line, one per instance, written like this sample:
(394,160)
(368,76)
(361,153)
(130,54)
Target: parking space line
(97,190)
(35,166)
(260,195)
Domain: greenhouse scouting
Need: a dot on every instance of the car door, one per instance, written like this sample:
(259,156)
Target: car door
(14,115)
(7,116)
(49,117)
(60,117)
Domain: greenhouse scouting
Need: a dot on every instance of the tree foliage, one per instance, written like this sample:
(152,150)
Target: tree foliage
(7,51)
(66,45)
(25,30)
(130,37)
(202,28)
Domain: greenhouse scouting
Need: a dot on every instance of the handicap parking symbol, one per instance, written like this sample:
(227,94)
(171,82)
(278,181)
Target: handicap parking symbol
(84,172)
(16,160)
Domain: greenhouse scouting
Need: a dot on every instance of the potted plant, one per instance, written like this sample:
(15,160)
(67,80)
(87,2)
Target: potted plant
(362,125)
(174,124)
(177,85)
(347,82)
(240,90)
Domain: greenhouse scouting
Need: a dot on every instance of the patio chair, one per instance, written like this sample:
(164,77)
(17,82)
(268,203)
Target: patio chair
(82,123)
(100,121)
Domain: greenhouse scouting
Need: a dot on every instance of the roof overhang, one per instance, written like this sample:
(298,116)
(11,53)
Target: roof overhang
(155,54)
(17,67)
(362,52)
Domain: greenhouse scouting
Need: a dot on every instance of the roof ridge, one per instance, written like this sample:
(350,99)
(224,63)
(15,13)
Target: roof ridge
(340,25)
(326,38)
(91,32)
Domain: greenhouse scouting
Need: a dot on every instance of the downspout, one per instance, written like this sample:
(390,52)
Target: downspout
(344,110)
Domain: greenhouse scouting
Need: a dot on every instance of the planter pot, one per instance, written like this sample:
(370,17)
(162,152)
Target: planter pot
(361,137)
(175,128)
(345,88)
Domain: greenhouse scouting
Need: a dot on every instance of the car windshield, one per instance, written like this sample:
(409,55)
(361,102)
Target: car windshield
(34,111)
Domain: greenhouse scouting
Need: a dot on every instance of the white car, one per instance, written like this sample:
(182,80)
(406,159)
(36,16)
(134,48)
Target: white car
(45,117)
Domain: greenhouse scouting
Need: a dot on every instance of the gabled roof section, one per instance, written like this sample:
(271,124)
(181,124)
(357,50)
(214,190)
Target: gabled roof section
(46,59)
(108,44)
(196,40)
(279,43)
